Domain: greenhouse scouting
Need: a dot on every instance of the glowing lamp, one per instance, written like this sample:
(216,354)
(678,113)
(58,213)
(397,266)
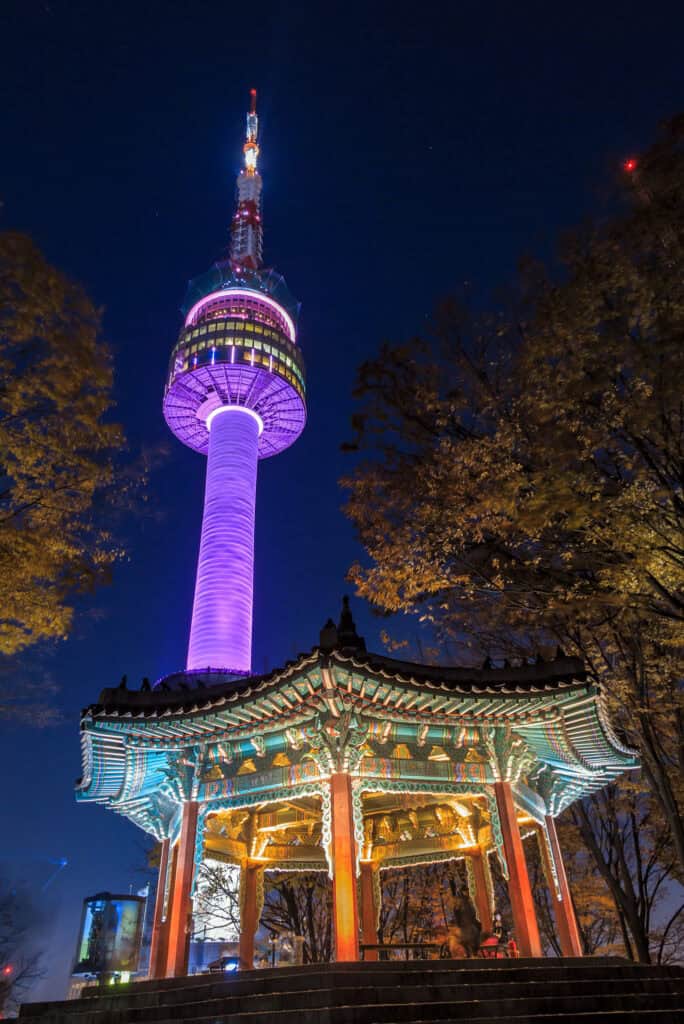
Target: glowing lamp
(630,165)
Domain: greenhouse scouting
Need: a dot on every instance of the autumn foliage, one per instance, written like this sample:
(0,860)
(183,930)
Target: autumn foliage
(520,477)
(57,447)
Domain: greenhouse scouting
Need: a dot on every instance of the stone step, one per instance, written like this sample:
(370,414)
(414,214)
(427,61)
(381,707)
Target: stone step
(289,982)
(659,1010)
(606,1017)
(501,1008)
(467,1010)
(398,966)
(380,994)
(309,999)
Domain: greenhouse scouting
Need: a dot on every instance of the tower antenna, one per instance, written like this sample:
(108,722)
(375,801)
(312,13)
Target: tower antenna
(246,237)
(251,148)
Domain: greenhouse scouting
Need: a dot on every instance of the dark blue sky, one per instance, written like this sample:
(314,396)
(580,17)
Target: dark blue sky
(406,148)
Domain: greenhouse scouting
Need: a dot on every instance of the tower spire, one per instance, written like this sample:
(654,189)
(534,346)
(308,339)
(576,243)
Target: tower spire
(251,148)
(246,233)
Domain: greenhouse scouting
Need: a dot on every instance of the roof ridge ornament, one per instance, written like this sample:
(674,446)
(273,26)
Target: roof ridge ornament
(347,637)
(328,641)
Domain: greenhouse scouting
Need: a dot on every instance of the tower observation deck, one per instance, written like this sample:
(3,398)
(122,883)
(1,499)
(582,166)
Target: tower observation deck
(235,391)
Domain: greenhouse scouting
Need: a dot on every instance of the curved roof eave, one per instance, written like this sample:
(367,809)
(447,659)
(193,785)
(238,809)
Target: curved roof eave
(562,674)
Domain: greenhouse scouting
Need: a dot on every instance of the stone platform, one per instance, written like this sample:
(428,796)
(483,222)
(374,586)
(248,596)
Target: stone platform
(550,991)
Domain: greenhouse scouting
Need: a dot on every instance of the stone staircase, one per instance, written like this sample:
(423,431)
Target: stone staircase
(581,991)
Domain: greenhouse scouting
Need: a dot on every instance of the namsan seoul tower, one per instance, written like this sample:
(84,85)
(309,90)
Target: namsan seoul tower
(235,392)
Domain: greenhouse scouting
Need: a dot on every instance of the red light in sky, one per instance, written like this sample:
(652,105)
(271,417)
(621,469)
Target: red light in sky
(7,969)
(630,165)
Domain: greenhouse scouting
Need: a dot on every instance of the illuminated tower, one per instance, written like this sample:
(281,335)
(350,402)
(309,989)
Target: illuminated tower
(235,392)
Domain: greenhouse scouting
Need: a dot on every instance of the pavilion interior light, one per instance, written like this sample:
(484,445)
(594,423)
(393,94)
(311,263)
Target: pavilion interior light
(461,809)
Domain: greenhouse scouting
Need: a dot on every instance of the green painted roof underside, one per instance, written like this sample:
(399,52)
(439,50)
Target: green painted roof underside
(134,743)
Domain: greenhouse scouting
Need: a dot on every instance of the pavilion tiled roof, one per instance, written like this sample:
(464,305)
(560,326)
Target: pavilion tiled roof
(131,737)
(193,692)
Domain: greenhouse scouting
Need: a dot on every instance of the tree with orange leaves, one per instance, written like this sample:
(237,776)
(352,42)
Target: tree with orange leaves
(521,479)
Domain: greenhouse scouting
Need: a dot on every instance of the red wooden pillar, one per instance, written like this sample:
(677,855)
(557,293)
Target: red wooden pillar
(369,932)
(345,902)
(158,945)
(180,911)
(563,909)
(482,902)
(249,917)
(519,889)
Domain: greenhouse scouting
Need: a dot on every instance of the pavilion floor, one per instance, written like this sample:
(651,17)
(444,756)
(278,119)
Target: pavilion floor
(576,991)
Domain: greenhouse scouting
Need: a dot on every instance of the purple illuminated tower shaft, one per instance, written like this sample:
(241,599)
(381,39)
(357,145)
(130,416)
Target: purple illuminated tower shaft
(236,392)
(221,630)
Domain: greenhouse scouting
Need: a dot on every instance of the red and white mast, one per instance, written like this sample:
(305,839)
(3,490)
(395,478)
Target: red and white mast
(246,233)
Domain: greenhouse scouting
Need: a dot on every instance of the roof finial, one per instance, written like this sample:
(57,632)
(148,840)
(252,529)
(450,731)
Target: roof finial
(346,629)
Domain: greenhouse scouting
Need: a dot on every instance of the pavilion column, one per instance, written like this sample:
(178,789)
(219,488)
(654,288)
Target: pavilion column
(250,912)
(519,889)
(345,900)
(180,911)
(563,908)
(369,911)
(482,902)
(160,929)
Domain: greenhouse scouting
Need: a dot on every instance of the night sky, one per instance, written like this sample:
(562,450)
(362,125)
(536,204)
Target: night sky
(405,149)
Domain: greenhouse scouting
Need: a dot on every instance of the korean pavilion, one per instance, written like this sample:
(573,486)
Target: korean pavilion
(349,763)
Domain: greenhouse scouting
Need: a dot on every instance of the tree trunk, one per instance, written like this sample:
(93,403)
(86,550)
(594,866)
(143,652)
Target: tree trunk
(623,895)
(661,787)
